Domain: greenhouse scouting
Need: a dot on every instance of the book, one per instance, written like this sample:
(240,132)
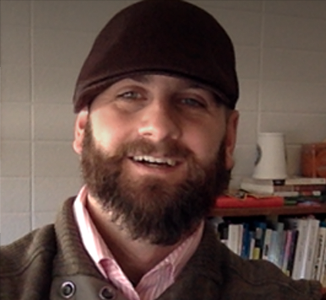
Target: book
(308,235)
(323,269)
(296,186)
(273,249)
(287,248)
(234,239)
(311,245)
(293,246)
(267,243)
(259,235)
(246,239)
(280,243)
(227,201)
(302,226)
(319,254)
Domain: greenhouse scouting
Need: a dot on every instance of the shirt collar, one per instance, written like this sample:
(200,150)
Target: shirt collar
(99,251)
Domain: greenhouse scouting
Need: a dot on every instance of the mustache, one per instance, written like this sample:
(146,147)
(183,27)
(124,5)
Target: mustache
(168,148)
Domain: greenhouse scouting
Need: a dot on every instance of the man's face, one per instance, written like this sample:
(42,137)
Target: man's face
(155,151)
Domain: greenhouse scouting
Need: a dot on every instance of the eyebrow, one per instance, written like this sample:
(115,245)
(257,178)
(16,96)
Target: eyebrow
(146,78)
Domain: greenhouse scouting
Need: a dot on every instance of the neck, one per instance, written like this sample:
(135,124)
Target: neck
(135,257)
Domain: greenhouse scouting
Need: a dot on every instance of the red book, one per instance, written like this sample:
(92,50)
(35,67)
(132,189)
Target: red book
(227,201)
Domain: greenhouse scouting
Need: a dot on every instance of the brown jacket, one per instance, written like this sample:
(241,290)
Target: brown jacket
(51,263)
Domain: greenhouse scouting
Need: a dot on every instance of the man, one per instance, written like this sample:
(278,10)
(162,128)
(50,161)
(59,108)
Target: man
(155,130)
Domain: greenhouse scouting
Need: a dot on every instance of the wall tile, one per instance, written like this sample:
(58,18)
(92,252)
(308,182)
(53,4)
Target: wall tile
(50,193)
(299,128)
(15,159)
(249,92)
(310,9)
(54,48)
(55,159)
(247,128)
(15,45)
(15,195)
(293,160)
(15,83)
(19,224)
(41,219)
(66,15)
(47,127)
(244,160)
(248,62)
(293,97)
(15,121)
(287,65)
(294,33)
(54,85)
(15,12)
(249,22)
(235,181)
(243,5)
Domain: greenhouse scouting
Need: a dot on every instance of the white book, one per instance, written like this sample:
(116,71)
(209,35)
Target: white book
(319,254)
(283,188)
(323,269)
(304,257)
(302,226)
(312,242)
(273,253)
(233,238)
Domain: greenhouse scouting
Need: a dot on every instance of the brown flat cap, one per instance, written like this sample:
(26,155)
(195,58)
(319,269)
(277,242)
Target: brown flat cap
(169,37)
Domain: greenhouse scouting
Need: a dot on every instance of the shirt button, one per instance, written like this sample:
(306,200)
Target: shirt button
(67,289)
(106,293)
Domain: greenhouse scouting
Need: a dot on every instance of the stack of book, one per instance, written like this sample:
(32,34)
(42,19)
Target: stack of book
(297,246)
(295,191)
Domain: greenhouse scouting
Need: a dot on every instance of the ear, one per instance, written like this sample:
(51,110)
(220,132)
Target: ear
(231,138)
(80,124)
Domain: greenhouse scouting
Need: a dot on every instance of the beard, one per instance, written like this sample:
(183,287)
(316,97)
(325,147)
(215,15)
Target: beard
(150,208)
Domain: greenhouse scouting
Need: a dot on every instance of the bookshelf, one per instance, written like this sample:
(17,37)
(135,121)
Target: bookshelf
(250,227)
(269,211)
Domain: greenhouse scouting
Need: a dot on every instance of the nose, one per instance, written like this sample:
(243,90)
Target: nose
(159,122)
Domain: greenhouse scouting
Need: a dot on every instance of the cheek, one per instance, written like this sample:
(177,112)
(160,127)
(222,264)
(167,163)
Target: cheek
(110,131)
(205,143)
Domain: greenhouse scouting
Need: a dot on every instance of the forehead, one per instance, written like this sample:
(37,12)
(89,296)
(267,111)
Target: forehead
(162,79)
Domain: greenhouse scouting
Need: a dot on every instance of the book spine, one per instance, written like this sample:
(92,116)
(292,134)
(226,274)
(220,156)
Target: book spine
(311,245)
(267,243)
(245,250)
(319,254)
(323,269)
(233,238)
(300,188)
(294,240)
(287,248)
(298,266)
(260,228)
(273,254)
(305,180)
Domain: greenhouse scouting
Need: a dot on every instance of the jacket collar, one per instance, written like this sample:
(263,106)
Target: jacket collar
(201,275)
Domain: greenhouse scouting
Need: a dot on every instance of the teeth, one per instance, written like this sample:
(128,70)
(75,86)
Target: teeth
(150,159)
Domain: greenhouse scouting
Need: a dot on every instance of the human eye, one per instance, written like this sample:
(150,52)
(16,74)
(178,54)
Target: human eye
(193,102)
(129,95)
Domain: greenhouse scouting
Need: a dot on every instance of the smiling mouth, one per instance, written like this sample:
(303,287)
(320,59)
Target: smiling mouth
(155,161)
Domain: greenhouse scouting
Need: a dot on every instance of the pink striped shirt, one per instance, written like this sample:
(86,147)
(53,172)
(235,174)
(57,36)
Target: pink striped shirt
(153,283)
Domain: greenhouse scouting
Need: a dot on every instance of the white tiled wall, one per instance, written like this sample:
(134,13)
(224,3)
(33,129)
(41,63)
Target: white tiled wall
(281,54)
